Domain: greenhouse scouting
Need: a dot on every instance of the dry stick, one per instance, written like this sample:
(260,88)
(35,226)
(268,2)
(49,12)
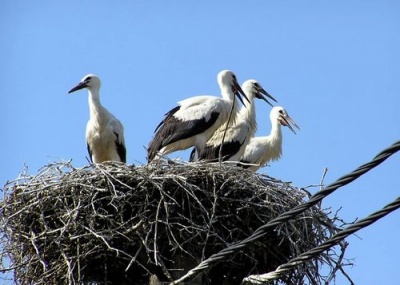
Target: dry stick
(321,183)
(117,251)
(226,129)
(346,275)
(316,198)
(114,177)
(321,187)
(70,276)
(155,231)
(338,267)
(78,256)
(134,258)
(323,178)
(211,220)
(314,252)
(32,239)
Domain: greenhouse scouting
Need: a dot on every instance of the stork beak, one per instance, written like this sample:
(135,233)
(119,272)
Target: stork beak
(239,92)
(260,95)
(286,120)
(80,86)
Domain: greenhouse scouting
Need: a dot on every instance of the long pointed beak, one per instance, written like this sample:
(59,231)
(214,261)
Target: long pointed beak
(80,86)
(239,93)
(287,121)
(261,93)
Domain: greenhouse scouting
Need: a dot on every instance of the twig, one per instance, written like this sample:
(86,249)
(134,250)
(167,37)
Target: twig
(220,158)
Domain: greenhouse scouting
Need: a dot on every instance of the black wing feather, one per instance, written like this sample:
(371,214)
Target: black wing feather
(171,130)
(121,150)
(167,116)
(211,153)
(90,153)
(192,155)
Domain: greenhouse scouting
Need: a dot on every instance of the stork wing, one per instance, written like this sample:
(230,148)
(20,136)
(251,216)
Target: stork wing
(193,154)
(177,129)
(233,139)
(167,117)
(192,117)
(90,153)
(254,151)
(121,150)
(211,153)
(200,107)
(118,130)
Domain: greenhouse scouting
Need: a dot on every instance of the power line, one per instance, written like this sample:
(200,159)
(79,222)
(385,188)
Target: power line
(316,251)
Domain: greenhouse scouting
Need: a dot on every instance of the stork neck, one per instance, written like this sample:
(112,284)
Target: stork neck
(227,93)
(248,114)
(94,102)
(276,132)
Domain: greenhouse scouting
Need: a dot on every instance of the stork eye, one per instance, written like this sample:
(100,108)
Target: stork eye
(88,79)
(281,112)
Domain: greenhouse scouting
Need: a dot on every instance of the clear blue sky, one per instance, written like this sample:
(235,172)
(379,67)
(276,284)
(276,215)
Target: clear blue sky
(334,65)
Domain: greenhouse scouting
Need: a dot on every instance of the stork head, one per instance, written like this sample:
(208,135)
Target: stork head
(279,114)
(228,78)
(253,89)
(89,81)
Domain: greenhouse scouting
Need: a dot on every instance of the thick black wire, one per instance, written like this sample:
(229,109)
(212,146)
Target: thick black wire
(316,198)
(316,251)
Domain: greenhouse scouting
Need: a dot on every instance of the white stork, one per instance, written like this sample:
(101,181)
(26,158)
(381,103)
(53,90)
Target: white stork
(261,150)
(104,132)
(238,135)
(195,119)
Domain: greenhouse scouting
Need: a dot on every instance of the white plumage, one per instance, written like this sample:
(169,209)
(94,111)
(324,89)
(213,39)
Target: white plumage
(261,150)
(238,135)
(195,119)
(104,132)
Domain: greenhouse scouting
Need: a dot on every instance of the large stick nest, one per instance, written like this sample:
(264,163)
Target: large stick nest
(113,223)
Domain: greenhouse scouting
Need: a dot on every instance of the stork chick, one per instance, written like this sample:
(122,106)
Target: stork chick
(261,150)
(195,119)
(104,132)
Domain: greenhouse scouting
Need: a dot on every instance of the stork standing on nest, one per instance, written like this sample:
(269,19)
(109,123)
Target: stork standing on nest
(104,132)
(195,119)
(235,138)
(261,150)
